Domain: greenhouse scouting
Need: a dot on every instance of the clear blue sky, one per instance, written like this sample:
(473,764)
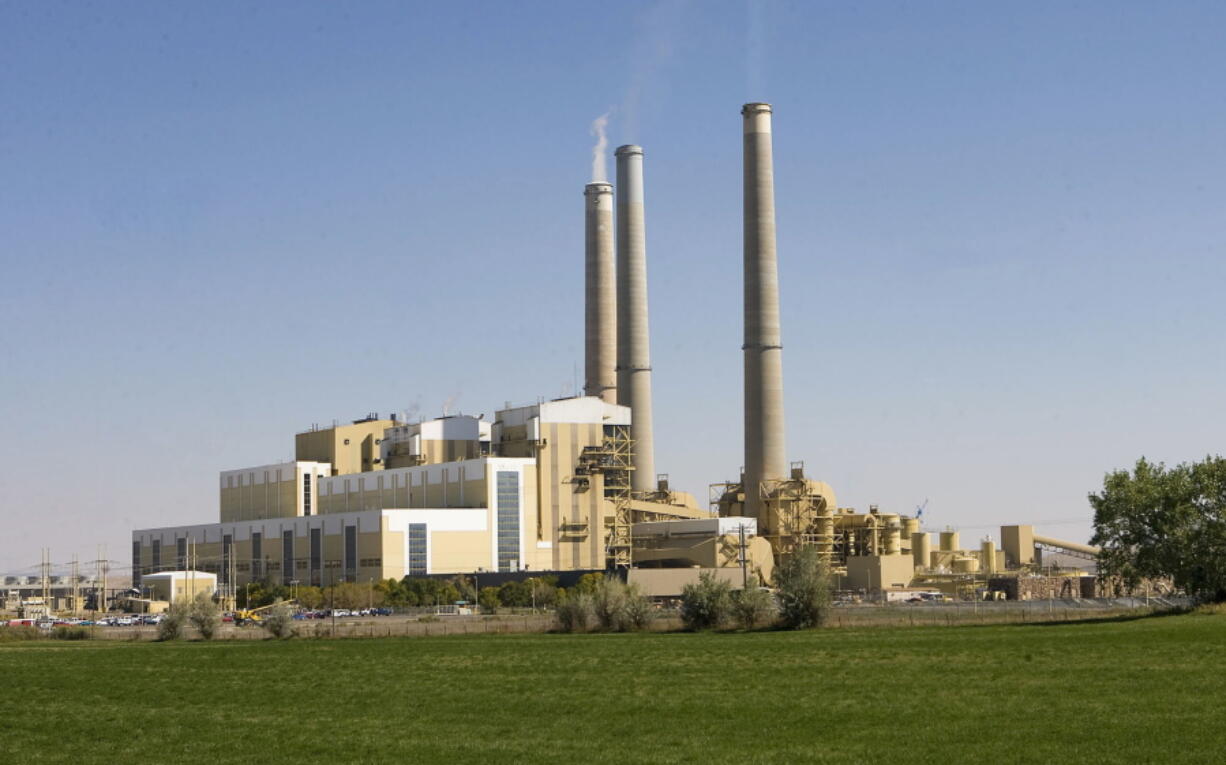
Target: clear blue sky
(1002,239)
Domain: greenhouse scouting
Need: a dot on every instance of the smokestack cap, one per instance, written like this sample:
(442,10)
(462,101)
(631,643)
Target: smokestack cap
(628,149)
(755,107)
(598,187)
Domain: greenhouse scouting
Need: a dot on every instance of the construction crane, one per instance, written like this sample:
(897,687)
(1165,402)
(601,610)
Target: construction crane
(253,615)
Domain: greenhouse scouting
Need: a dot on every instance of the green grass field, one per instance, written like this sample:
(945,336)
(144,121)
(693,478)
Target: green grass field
(1146,690)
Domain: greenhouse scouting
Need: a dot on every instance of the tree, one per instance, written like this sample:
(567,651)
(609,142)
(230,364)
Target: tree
(279,621)
(574,611)
(516,594)
(609,603)
(804,589)
(1158,522)
(753,606)
(589,582)
(489,600)
(205,615)
(173,621)
(638,610)
(310,597)
(706,604)
(543,590)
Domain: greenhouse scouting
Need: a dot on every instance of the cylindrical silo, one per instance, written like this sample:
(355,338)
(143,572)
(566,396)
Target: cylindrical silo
(892,534)
(965,565)
(921,549)
(987,556)
(633,348)
(600,294)
(949,541)
(765,453)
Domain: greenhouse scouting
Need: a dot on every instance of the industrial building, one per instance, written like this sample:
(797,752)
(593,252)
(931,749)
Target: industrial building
(570,484)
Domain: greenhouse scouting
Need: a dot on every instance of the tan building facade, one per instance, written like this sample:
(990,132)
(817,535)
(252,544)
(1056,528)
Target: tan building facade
(353,448)
(287,490)
(446,439)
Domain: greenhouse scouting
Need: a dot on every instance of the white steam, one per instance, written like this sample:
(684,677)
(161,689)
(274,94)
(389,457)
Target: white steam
(600,173)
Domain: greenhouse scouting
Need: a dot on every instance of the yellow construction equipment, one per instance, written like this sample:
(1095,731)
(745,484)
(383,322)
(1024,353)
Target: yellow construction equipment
(253,615)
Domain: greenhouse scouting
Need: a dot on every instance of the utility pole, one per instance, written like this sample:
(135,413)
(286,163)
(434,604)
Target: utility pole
(744,563)
(100,600)
(45,575)
(76,587)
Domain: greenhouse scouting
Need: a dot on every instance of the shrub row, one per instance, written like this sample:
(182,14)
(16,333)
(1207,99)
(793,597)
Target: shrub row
(801,601)
(611,606)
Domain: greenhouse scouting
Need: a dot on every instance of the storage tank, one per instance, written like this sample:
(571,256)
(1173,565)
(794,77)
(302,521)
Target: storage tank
(949,541)
(825,531)
(965,565)
(910,527)
(892,534)
(987,556)
(921,549)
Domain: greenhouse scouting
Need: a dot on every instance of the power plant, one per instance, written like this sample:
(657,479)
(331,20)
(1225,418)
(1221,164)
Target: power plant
(570,484)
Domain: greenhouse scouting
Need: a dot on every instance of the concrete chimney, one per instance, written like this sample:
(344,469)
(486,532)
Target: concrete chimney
(765,455)
(633,350)
(600,296)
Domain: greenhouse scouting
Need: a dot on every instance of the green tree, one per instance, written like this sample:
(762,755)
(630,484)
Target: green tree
(804,589)
(310,597)
(516,594)
(1160,522)
(589,582)
(489,600)
(707,603)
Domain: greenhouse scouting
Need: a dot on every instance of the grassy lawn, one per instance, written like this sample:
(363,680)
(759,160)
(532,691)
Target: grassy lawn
(1147,690)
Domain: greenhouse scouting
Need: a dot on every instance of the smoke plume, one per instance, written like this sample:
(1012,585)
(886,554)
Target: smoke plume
(600,173)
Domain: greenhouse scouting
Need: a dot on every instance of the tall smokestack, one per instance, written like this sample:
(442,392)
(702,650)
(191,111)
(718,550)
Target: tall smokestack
(600,318)
(633,350)
(765,456)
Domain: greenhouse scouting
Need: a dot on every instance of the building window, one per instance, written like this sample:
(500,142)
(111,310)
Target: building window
(227,545)
(136,569)
(181,553)
(317,554)
(287,556)
(257,554)
(306,493)
(351,553)
(508,520)
(346,442)
(156,563)
(417,550)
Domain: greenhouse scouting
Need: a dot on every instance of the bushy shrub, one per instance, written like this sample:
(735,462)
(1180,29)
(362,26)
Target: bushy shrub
(638,611)
(574,612)
(20,632)
(70,633)
(609,603)
(753,606)
(706,604)
(804,590)
(173,621)
(279,621)
(205,615)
